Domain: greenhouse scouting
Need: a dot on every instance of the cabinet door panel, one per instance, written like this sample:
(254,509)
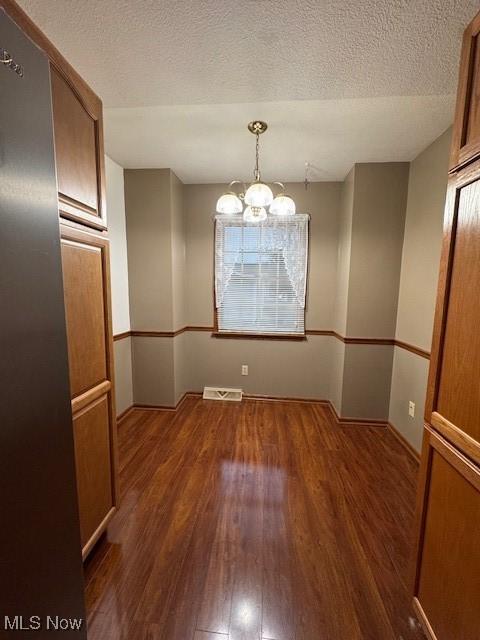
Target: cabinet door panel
(466,131)
(459,385)
(75,146)
(94,466)
(453,399)
(85,260)
(83,276)
(78,153)
(448,578)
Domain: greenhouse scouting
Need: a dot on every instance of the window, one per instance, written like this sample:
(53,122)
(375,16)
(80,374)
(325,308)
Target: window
(260,274)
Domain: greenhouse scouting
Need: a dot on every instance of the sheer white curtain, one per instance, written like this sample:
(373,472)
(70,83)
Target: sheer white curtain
(260,274)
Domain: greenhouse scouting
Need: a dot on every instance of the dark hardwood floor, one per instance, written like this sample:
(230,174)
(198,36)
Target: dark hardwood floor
(255,520)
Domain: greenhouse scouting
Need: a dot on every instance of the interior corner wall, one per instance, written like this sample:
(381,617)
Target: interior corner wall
(378,222)
(341,288)
(119,284)
(147,205)
(178,249)
(179,268)
(157,264)
(418,285)
(343,253)
(356,239)
(276,368)
(368,274)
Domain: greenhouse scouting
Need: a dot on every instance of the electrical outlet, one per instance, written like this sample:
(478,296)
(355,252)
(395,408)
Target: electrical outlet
(411,409)
(244,369)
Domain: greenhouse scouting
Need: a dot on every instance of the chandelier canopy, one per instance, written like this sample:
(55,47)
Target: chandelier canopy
(259,196)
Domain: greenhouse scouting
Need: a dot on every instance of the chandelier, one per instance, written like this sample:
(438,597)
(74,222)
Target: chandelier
(259,196)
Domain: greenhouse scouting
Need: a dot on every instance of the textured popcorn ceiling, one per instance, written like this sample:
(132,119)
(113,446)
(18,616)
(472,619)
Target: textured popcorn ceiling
(338,69)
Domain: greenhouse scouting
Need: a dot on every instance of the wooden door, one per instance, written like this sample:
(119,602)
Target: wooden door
(78,132)
(85,262)
(453,400)
(466,130)
(447,582)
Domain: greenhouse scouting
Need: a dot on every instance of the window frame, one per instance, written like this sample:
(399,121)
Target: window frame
(248,335)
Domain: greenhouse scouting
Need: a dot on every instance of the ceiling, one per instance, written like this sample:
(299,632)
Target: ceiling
(338,82)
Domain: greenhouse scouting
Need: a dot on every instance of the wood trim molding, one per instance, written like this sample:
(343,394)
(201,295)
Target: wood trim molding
(124,414)
(321,332)
(156,334)
(430,634)
(257,396)
(344,421)
(410,347)
(121,336)
(374,341)
(457,459)
(157,407)
(349,339)
(98,532)
(456,436)
(258,336)
(86,398)
(404,442)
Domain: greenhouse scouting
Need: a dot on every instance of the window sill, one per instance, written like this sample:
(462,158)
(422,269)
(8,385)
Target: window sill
(297,337)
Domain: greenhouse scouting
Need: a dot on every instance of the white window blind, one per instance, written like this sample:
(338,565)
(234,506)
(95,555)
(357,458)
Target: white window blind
(260,274)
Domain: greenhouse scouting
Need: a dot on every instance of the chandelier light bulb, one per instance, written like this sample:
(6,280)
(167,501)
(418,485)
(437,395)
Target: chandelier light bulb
(229,203)
(255,214)
(259,194)
(282,205)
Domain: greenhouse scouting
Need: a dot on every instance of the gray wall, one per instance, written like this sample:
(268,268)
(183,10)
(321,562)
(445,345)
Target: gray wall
(321,200)
(279,368)
(122,354)
(343,254)
(418,285)
(153,370)
(372,222)
(379,202)
(119,283)
(157,267)
(149,233)
(359,261)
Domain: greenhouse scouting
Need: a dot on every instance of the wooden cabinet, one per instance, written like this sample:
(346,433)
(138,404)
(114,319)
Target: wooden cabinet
(79,158)
(447,576)
(94,466)
(85,263)
(447,584)
(77,120)
(76,133)
(453,403)
(466,128)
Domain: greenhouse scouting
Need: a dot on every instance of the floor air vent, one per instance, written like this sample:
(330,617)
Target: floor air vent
(219,393)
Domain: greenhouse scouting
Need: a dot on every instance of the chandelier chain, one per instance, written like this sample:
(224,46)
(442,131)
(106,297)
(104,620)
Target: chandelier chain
(256,173)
